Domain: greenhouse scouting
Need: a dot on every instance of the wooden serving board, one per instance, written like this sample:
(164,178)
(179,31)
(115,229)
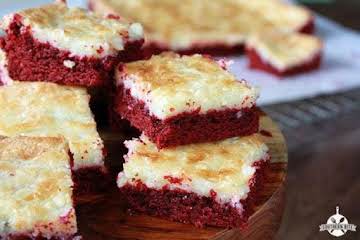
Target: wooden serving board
(104,216)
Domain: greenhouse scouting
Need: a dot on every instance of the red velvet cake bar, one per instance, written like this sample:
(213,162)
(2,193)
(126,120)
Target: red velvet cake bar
(36,196)
(214,184)
(203,26)
(68,46)
(42,109)
(177,100)
(284,54)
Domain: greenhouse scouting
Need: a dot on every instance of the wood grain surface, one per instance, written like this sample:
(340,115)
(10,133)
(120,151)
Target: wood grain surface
(104,216)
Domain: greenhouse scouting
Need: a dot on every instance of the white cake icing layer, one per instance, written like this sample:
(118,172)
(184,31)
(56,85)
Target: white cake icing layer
(284,51)
(224,167)
(169,84)
(42,109)
(205,23)
(36,188)
(76,30)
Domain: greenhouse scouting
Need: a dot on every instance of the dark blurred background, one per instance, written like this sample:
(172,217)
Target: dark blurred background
(324,151)
(345,12)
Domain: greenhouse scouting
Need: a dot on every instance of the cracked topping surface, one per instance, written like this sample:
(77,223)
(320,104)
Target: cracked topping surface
(203,22)
(36,187)
(223,166)
(42,109)
(170,84)
(77,30)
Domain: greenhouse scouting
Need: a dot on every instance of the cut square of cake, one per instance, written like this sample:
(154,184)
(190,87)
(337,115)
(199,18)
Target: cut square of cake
(284,54)
(212,184)
(177,100)
(36,188)
(68,46)
(42,109)
(202,26)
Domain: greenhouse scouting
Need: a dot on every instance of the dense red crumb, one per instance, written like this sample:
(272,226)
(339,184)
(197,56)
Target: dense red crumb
(187,127)
(179,205)
(28,236)
(30,60)
(118,124)
(214,49)
(256,62)
(309,27)
(265,133)
(89,180)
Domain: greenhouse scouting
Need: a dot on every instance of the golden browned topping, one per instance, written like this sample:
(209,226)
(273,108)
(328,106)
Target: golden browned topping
(36,187)
(285,50)
(224,166)
(180,25)
(171,84)
(51,110)
(81,32)
(171,71)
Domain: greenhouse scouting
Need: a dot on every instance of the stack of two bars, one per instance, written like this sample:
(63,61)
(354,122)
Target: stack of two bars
(49,142)
(199,159)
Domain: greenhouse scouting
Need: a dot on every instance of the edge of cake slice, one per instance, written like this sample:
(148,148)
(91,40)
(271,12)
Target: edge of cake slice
(177,100)
(220,27)
(42,109)
(284,54)
(213,184)
(36,190)
(67,45)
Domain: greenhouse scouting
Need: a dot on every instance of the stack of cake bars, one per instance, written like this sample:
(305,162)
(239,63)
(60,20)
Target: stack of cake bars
(50,57)
(199,159)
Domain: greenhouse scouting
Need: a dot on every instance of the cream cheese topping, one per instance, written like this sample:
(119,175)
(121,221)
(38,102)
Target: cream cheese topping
(170,84)
(285,50)
(224,166)
(81,32)
(36,187)
(49,110)
(203,22)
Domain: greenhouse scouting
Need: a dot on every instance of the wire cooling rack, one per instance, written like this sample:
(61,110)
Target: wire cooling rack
(292,115)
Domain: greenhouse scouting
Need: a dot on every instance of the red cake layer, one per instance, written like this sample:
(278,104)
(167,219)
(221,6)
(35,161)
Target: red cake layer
(256,62)
(219,49)
(89,180)
(1,81)
(118,124)
(187,127)
(309,27)
(215,49)
(31,60)
(26,236)
(186,207)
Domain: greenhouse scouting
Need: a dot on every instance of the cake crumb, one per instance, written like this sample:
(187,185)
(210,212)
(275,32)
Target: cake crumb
(69,63)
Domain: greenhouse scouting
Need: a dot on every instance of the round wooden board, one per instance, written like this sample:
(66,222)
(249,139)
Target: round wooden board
(105,217)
